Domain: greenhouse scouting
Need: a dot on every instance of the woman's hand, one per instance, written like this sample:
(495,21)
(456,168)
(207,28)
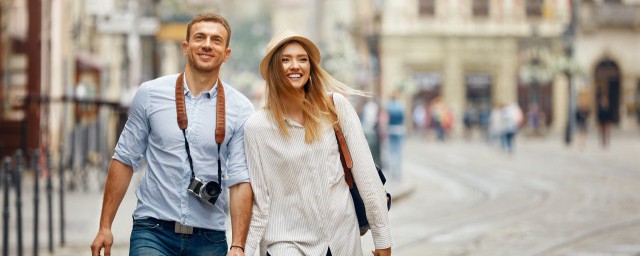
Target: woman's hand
(382,252)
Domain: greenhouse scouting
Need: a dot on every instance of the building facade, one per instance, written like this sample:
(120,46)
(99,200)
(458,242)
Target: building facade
(608,51)
(472,54)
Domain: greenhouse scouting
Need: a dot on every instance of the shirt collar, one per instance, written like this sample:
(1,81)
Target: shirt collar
(209,94)
(293,123)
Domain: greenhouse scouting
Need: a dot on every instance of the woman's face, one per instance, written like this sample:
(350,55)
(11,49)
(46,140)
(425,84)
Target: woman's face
(296,64)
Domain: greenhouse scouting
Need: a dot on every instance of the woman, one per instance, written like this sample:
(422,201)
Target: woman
(302,204)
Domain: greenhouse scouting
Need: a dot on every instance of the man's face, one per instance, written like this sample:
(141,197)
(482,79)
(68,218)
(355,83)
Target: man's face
(206,49)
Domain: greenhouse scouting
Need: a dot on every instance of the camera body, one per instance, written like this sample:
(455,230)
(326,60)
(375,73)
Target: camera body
(208,192)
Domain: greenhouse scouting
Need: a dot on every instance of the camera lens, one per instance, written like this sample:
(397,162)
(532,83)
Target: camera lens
(212,189)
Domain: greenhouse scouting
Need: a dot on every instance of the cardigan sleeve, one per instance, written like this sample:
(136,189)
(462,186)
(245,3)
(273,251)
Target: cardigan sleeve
(261,199)
(364,173)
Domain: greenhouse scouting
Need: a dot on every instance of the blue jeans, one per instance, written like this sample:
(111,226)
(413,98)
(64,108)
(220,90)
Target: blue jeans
(151,237)
(395,155)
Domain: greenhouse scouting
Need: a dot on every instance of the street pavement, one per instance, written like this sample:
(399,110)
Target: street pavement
(455,198)
(544,199)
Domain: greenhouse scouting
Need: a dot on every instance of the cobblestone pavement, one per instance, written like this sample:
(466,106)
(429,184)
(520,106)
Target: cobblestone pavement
(545,199)
(468,198)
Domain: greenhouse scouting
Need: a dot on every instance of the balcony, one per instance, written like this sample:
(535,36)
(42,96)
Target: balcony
(610,15)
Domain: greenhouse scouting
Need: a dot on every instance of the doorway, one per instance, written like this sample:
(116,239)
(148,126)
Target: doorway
(607,83)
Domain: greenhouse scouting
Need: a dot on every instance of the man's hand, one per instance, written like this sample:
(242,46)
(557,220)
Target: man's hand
(382,252)
(104,239)
(235,251)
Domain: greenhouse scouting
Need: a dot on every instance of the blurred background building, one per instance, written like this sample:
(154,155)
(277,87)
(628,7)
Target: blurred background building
(70,63)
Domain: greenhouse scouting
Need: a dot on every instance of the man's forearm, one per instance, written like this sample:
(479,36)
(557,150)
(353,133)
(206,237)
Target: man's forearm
(241,201)
(117,183)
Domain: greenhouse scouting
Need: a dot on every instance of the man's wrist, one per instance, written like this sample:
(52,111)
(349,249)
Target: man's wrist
(237,247)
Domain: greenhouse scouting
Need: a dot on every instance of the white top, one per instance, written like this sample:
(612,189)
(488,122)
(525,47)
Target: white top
(302,204)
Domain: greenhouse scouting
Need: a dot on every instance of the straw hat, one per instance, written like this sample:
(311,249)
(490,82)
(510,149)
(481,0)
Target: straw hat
(283,38)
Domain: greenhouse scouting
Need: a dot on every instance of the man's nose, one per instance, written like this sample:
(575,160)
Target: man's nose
(207,43)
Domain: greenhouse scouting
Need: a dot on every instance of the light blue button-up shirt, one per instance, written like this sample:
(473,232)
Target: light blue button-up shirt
(152,132)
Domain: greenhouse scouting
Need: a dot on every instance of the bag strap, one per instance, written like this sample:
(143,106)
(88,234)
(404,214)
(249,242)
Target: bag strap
(181,109)
(345,155)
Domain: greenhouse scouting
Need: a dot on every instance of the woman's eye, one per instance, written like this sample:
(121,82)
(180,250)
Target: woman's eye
(285,60)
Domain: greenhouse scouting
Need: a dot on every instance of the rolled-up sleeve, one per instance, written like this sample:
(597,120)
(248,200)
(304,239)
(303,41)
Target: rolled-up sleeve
(364,174)
(237,171)
(133,139)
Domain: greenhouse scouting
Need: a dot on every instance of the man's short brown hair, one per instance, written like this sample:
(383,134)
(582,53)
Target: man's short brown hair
(212,17)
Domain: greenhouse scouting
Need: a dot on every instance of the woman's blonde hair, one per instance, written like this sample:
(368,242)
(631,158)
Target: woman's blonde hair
(316,104)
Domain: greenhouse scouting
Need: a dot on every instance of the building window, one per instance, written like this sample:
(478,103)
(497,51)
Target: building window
(534,8)
(480,8)
(427,7)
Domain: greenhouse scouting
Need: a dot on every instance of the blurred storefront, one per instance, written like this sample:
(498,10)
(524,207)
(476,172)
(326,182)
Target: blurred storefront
(477,48)
(607,50)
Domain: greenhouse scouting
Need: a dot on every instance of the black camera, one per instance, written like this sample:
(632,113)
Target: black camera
(206,191)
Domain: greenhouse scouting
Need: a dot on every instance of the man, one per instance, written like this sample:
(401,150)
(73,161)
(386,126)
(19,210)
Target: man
(396,131)
(168,219)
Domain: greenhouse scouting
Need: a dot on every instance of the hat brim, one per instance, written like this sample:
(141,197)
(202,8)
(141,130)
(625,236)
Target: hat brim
(313,52)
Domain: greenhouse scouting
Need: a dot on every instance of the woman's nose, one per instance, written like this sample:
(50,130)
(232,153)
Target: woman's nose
(295,64)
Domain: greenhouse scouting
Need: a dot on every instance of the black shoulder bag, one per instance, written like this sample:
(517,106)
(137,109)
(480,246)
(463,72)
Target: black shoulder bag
(347,164)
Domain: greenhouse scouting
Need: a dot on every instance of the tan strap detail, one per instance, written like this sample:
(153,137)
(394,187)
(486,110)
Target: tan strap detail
(343,148)
(181,109)
(220,114)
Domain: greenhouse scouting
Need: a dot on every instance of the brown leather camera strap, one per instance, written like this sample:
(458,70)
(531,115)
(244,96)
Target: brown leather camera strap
(181,109)
(343,148)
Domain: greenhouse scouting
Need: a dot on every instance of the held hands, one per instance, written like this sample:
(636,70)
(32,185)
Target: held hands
(382,252)
(104,239)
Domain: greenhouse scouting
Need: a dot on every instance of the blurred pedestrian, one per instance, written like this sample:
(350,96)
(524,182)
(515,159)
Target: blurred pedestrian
(420,120)
(534,119)
(441,118)
(172,217)
(396,131)
(484,117)
(496,126)
(468,120)
(297,175)
(605,118)
(582,117)
(370,120)
(511,115)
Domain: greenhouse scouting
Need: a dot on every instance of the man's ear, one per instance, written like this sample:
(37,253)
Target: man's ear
(185,48)
(227,54)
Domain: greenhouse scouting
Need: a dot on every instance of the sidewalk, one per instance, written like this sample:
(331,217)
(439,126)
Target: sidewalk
(82,215)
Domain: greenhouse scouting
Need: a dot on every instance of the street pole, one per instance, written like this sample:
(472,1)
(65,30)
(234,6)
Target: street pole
(5,207)
(36,199)
(61,191)
(49,201)
(569,37)
(17,180)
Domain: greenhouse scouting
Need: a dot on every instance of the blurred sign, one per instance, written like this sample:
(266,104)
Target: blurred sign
(124,23)
(427,80)
(478,80)
(102,7)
